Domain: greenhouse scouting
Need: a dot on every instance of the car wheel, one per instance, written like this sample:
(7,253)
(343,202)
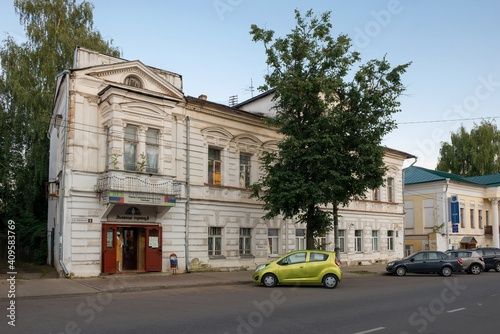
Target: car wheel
(475,269)
(330,281)
(400,271)
(269,280)
(497,266)
(446,272)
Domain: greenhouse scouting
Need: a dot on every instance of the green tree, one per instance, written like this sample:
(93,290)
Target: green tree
(27,80)
(472,154)
(332,127)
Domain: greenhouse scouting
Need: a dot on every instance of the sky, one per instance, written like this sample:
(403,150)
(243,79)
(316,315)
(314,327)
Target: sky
(454,47)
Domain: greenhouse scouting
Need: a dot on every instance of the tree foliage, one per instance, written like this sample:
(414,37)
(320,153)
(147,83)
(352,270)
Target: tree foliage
(472,154)
(332,127)
(27,80)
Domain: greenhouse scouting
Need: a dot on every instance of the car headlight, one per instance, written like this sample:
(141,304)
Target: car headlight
(262,266)
(390,264)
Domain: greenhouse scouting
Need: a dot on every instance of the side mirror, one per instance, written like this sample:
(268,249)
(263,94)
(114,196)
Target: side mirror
(285,262)
(412,260)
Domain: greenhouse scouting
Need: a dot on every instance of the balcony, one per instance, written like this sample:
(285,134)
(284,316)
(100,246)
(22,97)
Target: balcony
(117,187)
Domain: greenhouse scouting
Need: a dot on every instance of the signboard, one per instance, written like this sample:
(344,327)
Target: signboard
(81,220)
(455,210)
(454,228)
(137,198)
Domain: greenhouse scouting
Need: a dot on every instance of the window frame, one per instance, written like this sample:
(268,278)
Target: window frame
(214,234)
(244,241)
(342,241)
(390,190)
(300,239)
(245,175)
(214,165)
(358,241)
(128,141)
(151,145)
(390,240)
(273,242)
(375,241)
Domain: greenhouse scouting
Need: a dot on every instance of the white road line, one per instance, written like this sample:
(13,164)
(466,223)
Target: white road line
(456,310)
(371,330)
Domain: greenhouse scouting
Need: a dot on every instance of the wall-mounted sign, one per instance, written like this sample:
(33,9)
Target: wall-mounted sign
(137,198)
(81,220)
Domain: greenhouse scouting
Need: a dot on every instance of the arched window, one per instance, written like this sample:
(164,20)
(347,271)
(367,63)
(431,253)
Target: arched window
(133,81)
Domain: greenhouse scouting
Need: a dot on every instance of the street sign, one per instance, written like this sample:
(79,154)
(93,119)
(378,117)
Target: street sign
(454,228)
(455,213)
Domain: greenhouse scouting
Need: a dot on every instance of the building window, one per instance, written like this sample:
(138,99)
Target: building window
(358,240)
(133,81)
(214,166)
(487,218)
(272,238)
(130,156)
(390,189)
(390,240)
(480,218)
(300,239)
(244,171)
(245,241)
(320,242)
(462,218)
(342,241)
(376,194)
(472,221)
(215,241)
(375,241)
(152,144)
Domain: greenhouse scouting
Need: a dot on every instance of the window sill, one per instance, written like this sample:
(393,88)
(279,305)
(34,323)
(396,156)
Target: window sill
(216,257)
(249,256)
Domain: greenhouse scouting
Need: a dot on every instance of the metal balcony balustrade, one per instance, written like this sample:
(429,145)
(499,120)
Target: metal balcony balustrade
(119,183)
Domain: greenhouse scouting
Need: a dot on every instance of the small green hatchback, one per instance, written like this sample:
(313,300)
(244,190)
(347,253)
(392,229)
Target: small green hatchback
(304,266)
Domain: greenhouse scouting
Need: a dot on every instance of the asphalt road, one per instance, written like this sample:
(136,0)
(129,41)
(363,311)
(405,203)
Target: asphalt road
(378,304)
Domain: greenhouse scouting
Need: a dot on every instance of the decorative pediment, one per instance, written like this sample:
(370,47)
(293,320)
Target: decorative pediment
(134,75)
(217,136)
(247,143)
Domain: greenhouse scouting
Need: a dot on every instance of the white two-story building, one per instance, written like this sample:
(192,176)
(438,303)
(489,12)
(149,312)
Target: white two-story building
(141,175)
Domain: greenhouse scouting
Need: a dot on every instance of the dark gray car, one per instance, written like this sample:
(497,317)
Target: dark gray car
(425,262)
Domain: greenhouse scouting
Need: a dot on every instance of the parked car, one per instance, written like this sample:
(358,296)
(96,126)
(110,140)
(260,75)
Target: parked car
(491,257)
(472,262)
(304,266)
(425,262)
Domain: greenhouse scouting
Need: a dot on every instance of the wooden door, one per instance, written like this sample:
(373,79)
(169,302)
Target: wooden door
(108,249)
(153,248)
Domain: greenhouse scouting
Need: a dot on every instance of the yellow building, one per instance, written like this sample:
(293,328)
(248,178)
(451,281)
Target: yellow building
(428,218)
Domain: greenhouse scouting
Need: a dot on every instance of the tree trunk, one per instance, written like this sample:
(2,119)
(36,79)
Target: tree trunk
(336,229)
(310,229)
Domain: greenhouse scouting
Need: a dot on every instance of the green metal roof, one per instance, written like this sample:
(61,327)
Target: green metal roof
(416,175)
(492,180)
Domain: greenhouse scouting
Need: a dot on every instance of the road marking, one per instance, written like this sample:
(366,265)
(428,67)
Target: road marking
(456,310)
(371,330)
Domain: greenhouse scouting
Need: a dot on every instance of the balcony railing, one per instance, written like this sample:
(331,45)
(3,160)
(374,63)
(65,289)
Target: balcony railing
(136,184)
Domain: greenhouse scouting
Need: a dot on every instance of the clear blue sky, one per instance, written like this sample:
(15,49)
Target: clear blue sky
(454,47)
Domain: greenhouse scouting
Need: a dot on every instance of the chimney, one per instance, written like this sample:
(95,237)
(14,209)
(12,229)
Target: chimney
(202,97)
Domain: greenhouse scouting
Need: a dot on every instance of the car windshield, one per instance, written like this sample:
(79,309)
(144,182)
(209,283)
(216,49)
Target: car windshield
(409,256)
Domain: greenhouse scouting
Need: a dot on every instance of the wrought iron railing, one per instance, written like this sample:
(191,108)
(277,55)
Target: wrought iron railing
(137,184)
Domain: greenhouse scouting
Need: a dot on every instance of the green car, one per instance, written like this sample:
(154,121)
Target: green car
(304,266)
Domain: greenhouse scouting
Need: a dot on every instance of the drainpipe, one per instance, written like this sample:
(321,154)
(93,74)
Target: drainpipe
(188,193)
(404,227)
(63,178)
(446,214)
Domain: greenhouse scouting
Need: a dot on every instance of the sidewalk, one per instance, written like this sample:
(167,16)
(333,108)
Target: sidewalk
(34,285)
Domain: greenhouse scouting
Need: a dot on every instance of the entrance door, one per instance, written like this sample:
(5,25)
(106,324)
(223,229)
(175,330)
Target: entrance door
(129,248)
(108,249)
(153,248)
